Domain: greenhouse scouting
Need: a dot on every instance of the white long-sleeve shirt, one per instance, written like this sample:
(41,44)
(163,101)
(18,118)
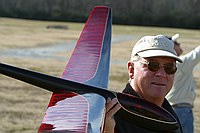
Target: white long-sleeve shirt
(183,90)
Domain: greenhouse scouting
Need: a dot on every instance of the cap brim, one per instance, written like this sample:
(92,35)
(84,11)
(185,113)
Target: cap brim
(156,53)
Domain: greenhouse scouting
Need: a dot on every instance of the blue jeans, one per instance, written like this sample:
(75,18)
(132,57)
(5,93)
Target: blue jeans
(185,115)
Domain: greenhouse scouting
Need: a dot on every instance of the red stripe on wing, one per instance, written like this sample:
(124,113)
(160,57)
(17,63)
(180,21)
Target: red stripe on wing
(62,114)
(84,61)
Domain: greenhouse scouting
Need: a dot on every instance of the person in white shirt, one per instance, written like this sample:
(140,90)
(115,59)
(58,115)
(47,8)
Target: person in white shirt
(182,94)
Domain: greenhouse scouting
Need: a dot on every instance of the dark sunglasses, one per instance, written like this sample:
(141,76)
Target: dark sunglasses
(169,68)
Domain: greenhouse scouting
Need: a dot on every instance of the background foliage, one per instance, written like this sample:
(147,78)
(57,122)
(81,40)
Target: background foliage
(165,13)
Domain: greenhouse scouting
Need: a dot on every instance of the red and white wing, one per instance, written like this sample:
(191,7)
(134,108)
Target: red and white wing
(89,64)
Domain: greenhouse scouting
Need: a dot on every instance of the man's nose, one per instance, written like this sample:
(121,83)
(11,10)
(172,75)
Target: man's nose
(161,72)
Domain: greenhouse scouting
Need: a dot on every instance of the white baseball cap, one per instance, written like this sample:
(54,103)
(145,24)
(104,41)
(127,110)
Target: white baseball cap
(154,46)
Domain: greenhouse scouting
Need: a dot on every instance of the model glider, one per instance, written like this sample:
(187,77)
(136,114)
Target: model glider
(78,101)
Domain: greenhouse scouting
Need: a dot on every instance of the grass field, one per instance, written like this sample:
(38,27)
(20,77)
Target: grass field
(22,106)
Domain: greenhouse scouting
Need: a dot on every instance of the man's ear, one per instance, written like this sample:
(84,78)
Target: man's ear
(130,66)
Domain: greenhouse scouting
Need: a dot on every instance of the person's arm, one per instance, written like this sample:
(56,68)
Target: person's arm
(190,60)
(112,106)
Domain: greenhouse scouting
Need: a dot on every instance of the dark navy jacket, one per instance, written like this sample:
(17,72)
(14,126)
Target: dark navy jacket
(123,126)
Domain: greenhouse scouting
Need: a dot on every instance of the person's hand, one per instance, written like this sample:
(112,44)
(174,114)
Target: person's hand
(112,106)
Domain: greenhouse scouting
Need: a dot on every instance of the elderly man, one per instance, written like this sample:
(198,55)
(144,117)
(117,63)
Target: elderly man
(151,74)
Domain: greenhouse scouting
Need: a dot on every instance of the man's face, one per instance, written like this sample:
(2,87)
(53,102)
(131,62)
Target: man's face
(152,86)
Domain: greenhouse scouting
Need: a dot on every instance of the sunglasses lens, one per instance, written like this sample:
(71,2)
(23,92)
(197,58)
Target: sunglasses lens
(170,68)
(154,66)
